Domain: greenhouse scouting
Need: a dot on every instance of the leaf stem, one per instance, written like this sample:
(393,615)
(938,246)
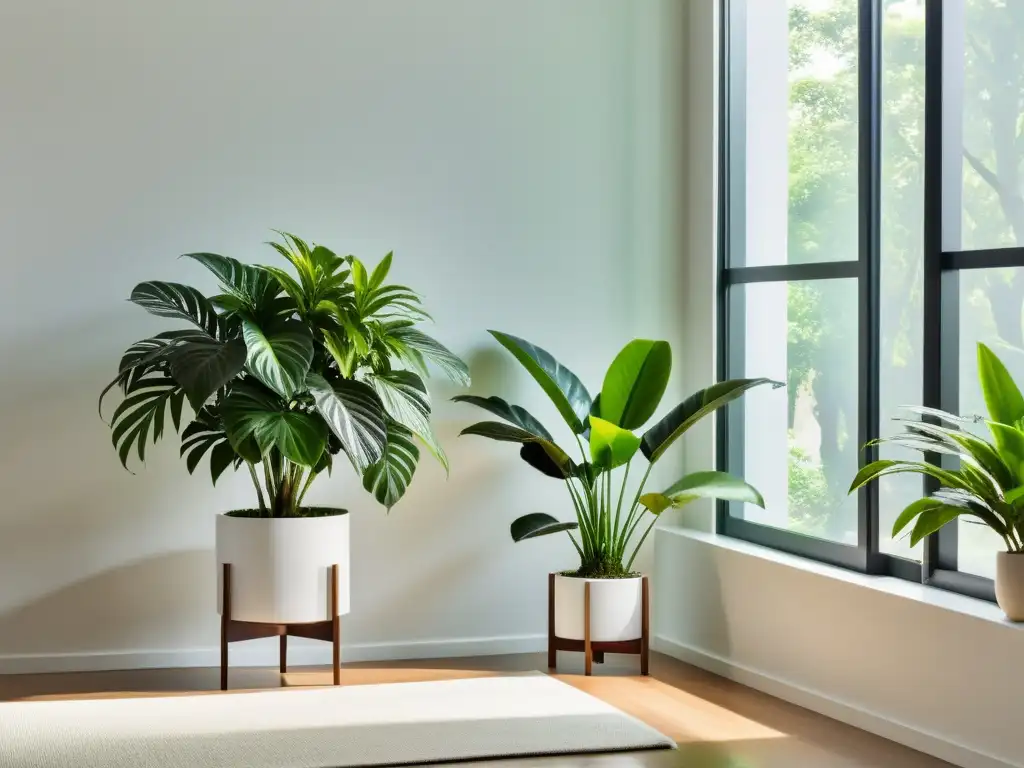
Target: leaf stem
(259,490)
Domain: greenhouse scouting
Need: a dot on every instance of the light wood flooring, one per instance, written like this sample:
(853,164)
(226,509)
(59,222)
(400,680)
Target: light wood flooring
(717,723)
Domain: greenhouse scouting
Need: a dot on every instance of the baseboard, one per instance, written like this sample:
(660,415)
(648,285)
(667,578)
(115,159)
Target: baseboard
(263,653)
(910,736)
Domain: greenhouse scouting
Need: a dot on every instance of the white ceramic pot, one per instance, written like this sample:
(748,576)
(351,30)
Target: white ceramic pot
(1010,584)
(616,608)
(281,567)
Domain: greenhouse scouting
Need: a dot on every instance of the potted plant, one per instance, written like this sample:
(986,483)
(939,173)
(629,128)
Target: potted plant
(283,371)
(988,486)
(608,522)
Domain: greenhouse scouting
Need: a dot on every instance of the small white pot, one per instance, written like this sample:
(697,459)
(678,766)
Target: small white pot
(1010,584)
(281,567)
(616,608)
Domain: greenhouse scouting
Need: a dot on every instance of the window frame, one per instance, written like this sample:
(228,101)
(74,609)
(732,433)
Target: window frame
(940,287)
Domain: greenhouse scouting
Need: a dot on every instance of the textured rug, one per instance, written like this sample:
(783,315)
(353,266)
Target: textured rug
(365,725)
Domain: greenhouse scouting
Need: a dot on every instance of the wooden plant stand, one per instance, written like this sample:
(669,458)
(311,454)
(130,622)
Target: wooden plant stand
(232,630)
(594,651)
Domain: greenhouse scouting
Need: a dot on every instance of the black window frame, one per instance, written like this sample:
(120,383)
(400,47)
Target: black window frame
(940,285)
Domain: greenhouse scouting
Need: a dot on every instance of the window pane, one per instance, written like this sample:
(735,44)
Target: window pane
(991,302)
(902,230)
(794,132)
(800,443)
(986,76)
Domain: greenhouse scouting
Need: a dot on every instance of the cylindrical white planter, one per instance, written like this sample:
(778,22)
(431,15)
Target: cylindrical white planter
(281,567)
(616,608)
(1010,584)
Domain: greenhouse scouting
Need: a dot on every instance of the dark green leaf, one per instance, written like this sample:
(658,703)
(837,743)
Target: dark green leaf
(538,524)
(253,412)
(497,430)
(181,302)
(635,383)
(504,410)
(222,457)
(141,413)
(203,367)
(561,385)
(388,478)
(698,405)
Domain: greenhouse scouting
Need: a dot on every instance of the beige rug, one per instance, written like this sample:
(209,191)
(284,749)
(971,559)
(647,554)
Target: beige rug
(365,725)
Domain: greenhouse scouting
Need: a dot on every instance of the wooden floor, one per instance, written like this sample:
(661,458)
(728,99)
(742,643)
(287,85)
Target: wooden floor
(717,723)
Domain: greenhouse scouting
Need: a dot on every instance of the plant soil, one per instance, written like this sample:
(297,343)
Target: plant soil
(602,571)
(301,512)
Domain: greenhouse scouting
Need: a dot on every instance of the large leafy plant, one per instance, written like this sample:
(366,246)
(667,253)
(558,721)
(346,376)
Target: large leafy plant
(283,371)
(988,486)
(609,534)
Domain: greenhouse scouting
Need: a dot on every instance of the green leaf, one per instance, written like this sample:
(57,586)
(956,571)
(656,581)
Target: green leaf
(611,446)
(203,367)
(253,288)
(1010,444)
(380,272)
(388,478)
(561,385)
(538,524)
(289,286)
(1002,397)
(676,422)
(656,502)
(434,351)
(344,354)
(221,457)
(913,510)
(253,412)
(141,414)
(931,519)
(1015,494)
(406,401)
(281,357)
(181,302)
(497,430)
(355,415)
(635,383)
(538,458)
(713,485)
(504,410)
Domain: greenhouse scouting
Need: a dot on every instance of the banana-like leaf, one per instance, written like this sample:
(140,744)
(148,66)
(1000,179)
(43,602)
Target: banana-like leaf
(561,385)
(497,430)
(912,511)
(657,503)
(635,383)
(355,415)
(141,414)
(883,467)
(251,411)
(181,302)
(535,455)
(1010,444)
(280,357)
(1002,397)
(513,414)
(713,485)
(388,478)
(450,364)
(611,446)
(931,519)
(203,367)
(676,422)
(406,401)
(538,524)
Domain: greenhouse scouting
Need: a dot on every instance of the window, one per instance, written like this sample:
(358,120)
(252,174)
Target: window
(872,231)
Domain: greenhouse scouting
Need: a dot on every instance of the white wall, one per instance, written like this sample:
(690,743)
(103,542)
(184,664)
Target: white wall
(936,671)
(522,158)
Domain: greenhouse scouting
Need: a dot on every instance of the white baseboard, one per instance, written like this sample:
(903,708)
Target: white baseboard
(910,736)
(263,653)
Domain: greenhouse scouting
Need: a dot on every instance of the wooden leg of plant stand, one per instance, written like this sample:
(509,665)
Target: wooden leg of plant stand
(645,629)
(552,650)
(335,627)
(284,654)
(225,620)
(588,655)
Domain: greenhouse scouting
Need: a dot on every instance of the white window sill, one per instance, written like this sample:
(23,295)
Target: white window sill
(921,593)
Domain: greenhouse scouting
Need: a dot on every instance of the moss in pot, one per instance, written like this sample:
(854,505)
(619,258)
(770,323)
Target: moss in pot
(283,370)
(612,516)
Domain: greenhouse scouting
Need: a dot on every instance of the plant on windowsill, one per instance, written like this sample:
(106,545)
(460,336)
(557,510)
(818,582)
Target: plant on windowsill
(987,488)
(610,534)
(283,371)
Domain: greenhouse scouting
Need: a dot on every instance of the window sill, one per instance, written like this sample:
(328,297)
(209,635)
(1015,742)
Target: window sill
(920,593)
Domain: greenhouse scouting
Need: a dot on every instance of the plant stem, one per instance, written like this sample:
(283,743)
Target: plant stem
(271,488)
(618,507)
(632,509)
(573,540)
(640,544)
(586,531)
(309,481)
(259,490)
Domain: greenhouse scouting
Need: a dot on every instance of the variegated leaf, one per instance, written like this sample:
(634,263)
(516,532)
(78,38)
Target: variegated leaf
(389,478)
(281,357)
(406,401)
(355,415)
